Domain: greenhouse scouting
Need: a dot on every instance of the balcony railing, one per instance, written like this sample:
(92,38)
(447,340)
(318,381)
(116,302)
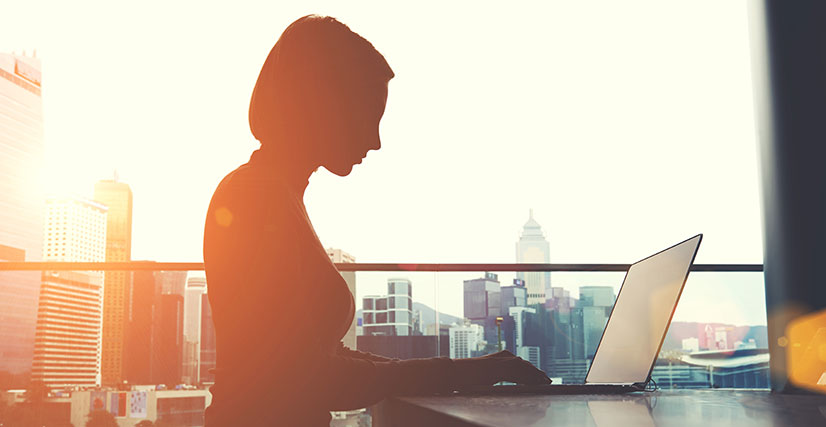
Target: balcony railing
(702,352)
(433,267)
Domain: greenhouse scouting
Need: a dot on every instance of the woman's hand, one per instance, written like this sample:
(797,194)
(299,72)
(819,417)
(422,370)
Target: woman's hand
(495,367)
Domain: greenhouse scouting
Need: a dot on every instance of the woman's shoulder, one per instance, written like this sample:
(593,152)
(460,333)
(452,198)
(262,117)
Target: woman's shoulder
(248,182)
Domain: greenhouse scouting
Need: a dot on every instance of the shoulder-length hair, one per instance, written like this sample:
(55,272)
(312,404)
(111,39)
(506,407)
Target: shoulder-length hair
(316,61)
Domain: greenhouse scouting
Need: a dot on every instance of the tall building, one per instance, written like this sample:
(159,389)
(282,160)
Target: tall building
(170,282)
(533,248)
(118,197)
(596,303)
(21,215)
(339,257)
(466,340)
(167,339)
(208,344)
(390,314)
(482,298)
(67,347)
(155,328)
(196,287)
(138,358)
(513,296)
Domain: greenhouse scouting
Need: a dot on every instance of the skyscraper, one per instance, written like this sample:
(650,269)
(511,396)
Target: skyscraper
(118,197)
(339,256)
(167,339)
(390,314)
(196,287)
(138,359)
(482,298)
(21,198)
(513,296)
(465,340)
(532,247)
(208,344)
(67,346)
(596,303)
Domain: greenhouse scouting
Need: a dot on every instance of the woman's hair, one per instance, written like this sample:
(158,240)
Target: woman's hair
(317,61)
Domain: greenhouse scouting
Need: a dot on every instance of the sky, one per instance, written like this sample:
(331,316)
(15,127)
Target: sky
(626,126)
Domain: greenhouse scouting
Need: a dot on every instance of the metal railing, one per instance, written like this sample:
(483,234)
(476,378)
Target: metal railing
(434,267)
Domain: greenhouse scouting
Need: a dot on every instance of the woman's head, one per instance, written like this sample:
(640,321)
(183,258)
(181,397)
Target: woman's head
(320,95)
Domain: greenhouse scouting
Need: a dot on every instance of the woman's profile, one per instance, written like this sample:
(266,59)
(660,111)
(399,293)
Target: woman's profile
(279,305)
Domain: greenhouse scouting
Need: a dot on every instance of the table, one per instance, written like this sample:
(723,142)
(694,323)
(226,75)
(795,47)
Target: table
(706,408)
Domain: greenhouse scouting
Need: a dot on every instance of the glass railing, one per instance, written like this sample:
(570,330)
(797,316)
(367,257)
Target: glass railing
(165,344)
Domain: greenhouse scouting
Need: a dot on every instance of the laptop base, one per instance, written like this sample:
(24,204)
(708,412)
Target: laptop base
(550,389)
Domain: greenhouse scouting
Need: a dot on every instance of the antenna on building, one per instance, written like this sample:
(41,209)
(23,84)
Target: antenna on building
(530,214)
(34,53)
(115,175)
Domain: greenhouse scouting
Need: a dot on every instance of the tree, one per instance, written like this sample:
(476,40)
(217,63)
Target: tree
(101,418)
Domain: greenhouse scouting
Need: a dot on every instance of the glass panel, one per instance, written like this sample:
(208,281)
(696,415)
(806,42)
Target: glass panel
(411,331)
(719,321)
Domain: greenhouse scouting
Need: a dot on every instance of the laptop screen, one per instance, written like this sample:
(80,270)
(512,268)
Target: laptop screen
(641,315)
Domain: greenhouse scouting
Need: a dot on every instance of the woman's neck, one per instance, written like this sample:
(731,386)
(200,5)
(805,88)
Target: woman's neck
(293,171)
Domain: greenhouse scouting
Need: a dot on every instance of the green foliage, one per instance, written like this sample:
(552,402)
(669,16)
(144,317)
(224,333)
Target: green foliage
(101,418)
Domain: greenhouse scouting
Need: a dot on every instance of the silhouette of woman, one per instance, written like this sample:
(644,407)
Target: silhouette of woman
(279,305)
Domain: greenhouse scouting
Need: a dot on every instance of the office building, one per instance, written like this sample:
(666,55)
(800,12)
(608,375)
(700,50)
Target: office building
(596,303)
(533,248)
(67,347)
(155,328)
(208,346)
(482,298)
(21,198)
(390,314)
(513,296)
(338,256)
(117,196)
(196,288)
(466,340)
(170,282)
(138,358)
(483,304)
(518,314)
(167,340)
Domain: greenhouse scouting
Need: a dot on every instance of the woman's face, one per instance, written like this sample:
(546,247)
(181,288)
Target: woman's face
(355,130)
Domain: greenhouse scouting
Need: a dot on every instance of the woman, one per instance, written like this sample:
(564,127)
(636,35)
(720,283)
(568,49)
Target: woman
(279,305)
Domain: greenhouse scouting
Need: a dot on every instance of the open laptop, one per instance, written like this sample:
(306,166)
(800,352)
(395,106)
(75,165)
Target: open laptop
(635,330)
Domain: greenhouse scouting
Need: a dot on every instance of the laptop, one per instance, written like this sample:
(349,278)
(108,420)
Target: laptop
(635,331)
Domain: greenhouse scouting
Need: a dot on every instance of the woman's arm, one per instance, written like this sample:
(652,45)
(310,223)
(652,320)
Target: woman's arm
(345,351)
(356,383)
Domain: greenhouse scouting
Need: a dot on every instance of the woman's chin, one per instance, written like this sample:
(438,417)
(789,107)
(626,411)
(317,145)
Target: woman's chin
(340,170)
